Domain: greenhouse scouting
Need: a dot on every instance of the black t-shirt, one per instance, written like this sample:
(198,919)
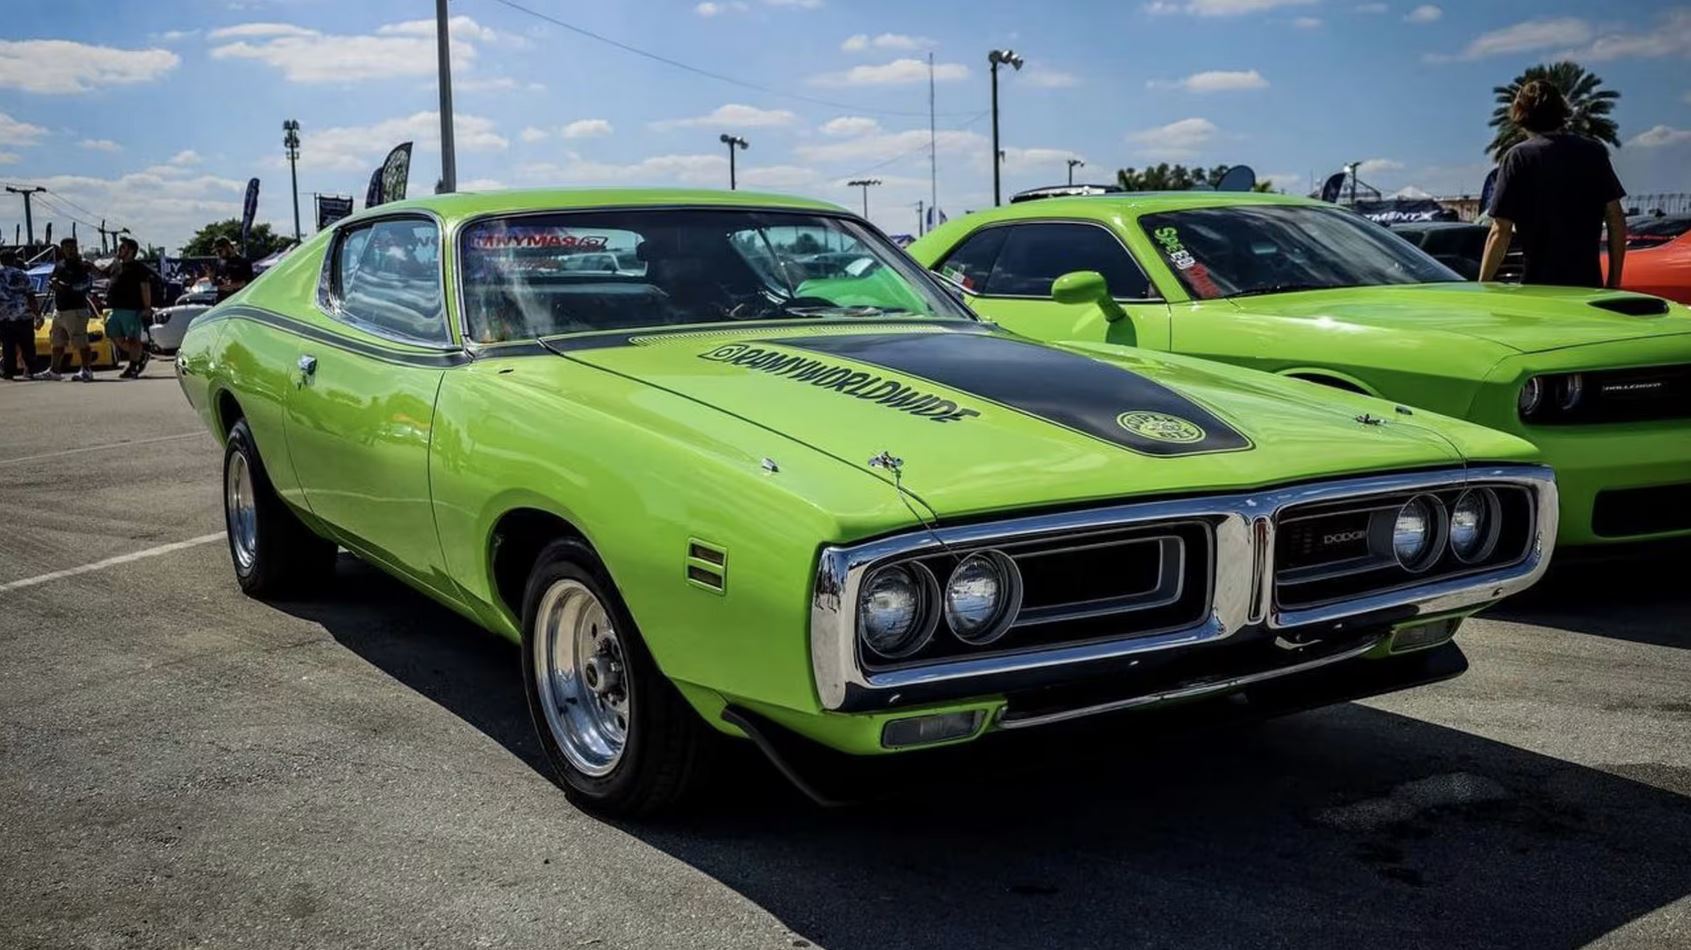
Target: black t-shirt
(1555,187)
(125,290)
(235,269)
(71,282)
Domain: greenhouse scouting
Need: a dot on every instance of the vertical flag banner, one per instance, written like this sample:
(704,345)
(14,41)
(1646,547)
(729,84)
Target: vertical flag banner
(248,211)
(373,195)
(396,173)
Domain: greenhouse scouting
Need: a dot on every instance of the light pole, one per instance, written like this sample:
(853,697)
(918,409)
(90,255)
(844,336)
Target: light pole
(733,142)
(865,184)
(290,142)
(1073,164)
(1353,167)
(443,50)
(997,58)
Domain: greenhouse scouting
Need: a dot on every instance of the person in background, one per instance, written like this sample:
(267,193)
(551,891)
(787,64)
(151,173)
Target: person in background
(130,298)
(1559,188)
(233,270)
(72,278)
(19,319)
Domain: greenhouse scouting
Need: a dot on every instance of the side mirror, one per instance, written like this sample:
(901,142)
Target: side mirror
(1087,286)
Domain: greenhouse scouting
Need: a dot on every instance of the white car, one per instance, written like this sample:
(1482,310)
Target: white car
(169,326)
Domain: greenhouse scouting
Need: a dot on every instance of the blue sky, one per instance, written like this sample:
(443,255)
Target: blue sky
(154,115)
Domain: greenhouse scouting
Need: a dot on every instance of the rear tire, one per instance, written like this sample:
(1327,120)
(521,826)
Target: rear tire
(620,737)
(272,551)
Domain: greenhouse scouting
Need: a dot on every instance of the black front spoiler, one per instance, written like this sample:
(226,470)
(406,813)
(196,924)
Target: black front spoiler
(834,779)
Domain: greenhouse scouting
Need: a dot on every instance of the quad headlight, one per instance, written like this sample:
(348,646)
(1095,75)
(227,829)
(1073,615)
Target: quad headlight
(1474,524)
(896,610)
(981,597)
(1417,533)
(900,606)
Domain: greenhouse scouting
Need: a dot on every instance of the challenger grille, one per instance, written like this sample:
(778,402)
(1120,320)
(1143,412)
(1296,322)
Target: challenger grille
(1642,394)
(1331,551)
(1625,512)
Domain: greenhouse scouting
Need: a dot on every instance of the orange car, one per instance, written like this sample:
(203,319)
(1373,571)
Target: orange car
(1658,259)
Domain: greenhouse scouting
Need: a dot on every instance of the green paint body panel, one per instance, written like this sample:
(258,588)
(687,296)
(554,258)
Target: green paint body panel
(1459,349)
(644,446)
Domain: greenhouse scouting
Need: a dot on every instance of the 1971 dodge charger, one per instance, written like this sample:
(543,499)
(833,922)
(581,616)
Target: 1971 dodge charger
(1599,381)
(712,493)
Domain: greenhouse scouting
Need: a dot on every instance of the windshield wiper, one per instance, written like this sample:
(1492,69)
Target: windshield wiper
(864,311)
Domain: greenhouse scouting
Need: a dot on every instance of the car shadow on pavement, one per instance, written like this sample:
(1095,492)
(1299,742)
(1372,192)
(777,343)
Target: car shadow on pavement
(1343,827)
(1641,599)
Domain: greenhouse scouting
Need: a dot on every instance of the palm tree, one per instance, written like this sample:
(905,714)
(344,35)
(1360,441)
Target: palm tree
(1590,106)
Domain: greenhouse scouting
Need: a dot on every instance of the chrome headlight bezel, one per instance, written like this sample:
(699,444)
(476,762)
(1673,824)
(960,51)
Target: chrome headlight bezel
(1008,603)
(1486,534)
(1437,525)
(925,616)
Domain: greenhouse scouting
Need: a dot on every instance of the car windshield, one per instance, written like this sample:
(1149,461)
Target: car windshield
(528,276)
(1241,251)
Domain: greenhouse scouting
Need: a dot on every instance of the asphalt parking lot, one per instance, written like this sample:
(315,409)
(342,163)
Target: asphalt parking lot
(184,767)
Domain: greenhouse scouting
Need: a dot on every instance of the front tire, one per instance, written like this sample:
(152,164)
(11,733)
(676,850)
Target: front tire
(273,552)
(619,735)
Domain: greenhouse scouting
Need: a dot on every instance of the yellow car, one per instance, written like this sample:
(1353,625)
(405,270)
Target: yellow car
(106,353)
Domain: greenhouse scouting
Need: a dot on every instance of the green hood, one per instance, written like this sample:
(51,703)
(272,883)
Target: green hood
(986,421)
(1524,319)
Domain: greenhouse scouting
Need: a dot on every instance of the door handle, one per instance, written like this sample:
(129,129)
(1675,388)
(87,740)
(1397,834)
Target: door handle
(307,367)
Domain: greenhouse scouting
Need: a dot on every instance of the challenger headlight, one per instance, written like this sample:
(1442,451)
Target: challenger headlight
(1532,396)
(1569,389)
(1473,524)
(981,597)
(895,611)
(1415,533)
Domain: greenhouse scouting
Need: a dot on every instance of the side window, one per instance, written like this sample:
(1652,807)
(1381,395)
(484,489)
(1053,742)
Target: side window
(387,275)
(1035,255)
(969,264)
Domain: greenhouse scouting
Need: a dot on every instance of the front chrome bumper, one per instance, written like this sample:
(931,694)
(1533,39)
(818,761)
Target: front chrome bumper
(1242,598)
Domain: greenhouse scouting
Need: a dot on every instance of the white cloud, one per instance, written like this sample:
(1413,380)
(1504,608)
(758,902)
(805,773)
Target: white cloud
(1370,8)
(1660,137)
(18,132)
(1527,36)
(173,36)
(778,176)
(359,147)
(482,184)
(1219,7)
(1289,182)
(656,170)
(163,208)
(1307,22)
(856,43)
(1050,79)
(1671,37)
(9,158)
(862,42)
(395,50)
(59,66)
(1215,80)
(1175,141)
(848,126)
(100,145)
(185,157)
(532,134)
(493,84)
(587,129)
(797,4)
(1052,161)
(880,147)
(1376,166)
(731,117)
(897,72)
(1425,13)
(709,8)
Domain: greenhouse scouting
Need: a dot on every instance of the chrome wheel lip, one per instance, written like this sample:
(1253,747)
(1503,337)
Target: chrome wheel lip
(241,511)
(581,677)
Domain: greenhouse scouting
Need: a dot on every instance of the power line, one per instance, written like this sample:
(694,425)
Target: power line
(918,149)
(655,57)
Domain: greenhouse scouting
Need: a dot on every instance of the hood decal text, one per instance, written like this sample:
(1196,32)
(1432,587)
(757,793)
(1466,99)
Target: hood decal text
(887,391)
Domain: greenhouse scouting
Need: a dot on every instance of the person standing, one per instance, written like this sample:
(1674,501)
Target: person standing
(19,319)
(233,270)
(72,278)
(130,298)
(1560,190)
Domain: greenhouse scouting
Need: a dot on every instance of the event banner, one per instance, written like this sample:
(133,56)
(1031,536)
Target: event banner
(248,211)
(396,173)
(332,208)
(373,194)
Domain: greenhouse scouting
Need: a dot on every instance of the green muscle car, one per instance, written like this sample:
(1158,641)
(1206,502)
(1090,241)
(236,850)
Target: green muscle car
(1600,381)
(716,491)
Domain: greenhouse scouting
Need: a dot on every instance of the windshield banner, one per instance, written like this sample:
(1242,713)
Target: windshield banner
(1400,210)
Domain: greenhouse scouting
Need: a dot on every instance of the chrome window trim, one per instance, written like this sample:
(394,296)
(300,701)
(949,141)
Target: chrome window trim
(1242,587)
(1149,283)
(941,287)
(329,305)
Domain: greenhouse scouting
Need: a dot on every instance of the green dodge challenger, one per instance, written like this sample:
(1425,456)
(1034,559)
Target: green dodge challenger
(731,465)
(1600,381)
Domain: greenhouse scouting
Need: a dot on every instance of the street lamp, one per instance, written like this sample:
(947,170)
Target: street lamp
(1073,164)
(290,142)
(998,57)
(865,184)
(733,142)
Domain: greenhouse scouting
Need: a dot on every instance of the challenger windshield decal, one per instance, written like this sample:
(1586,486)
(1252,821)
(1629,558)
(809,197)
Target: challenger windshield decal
(1196,274)
(1080,393)
(872,387)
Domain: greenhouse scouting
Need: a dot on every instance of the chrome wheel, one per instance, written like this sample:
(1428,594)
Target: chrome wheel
(240,508)
(582,677)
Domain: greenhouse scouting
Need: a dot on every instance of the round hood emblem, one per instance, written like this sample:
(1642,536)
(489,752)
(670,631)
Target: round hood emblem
(1160,427)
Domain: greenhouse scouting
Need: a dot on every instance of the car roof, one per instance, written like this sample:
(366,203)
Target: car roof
(465,204)
(1134,203)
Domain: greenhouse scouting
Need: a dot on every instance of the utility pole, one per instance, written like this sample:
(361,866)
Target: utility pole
(1353,168)
(919,231)
(290,142)
(28,216)
(733,142)
(933,140)
(865,184)
(999,57)
(1073,164)
(106,232)
(443,46)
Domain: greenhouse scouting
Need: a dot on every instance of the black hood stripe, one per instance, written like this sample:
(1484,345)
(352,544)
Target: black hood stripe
(1080,393)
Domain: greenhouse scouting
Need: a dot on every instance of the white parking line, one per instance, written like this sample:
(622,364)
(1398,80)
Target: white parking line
(97,448)
(110,562)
